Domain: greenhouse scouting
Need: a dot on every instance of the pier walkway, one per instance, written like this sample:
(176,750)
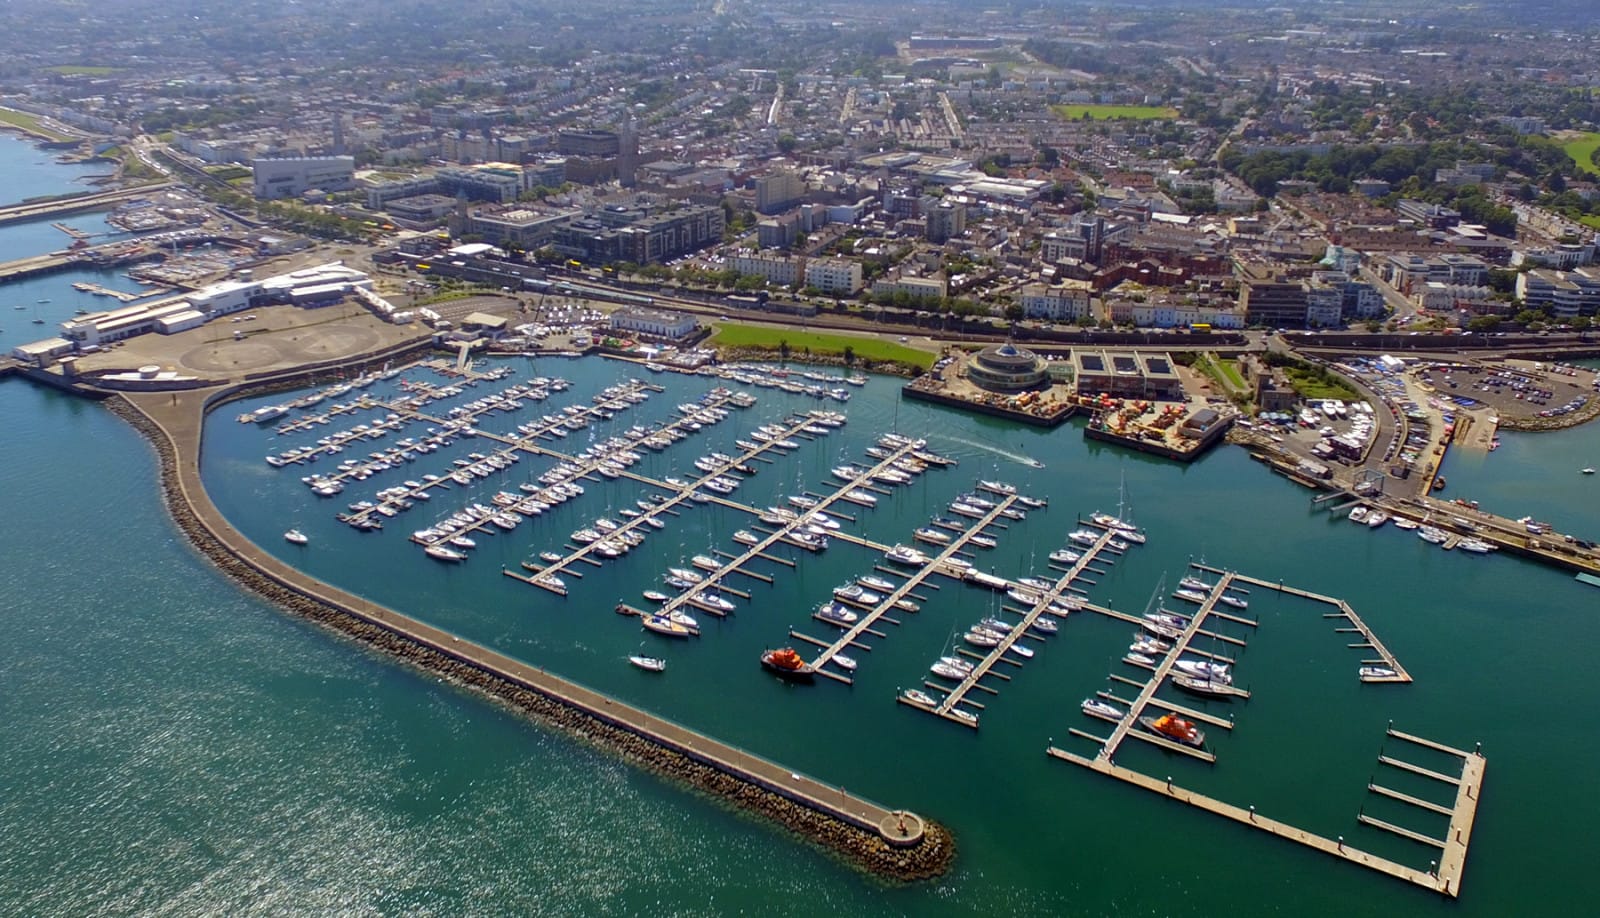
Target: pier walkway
(1369,640)
(863,625)
(678,495)
(985,666)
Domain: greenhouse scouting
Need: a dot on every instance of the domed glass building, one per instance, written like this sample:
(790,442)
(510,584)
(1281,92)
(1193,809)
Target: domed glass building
(1006,368)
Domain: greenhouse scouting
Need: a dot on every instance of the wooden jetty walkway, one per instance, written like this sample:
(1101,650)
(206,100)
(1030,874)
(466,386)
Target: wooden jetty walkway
(1369,641)
(1445,879)
(677,496)
(935,565)
(1443,875)
(985,666)
(1163,669)
(773,537)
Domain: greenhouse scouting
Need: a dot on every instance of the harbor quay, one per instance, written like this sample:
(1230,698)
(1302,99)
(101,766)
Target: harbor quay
(895,844)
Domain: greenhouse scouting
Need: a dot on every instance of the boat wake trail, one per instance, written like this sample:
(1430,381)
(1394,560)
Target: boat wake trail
(1018,458)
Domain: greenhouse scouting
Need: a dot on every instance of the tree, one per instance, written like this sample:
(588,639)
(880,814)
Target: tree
(787,143)
(783,348)
(849,356)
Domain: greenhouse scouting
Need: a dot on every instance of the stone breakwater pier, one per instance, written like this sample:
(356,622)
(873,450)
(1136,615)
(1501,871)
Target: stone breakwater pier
(894,844)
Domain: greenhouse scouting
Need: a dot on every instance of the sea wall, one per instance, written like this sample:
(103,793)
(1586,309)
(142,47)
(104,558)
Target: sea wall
(653,744)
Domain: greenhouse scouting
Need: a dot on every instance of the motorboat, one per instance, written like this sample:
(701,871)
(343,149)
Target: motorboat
(713,600)
(931,535)
(1376,518)
(1401,522)
(1203,669)
(1088,538)
(876,583)
(902,554)
(550,556)
(837,614)
(1358,514)
(1171,726)
(1094,707)
(1065,556)
(1195,583)
(296,537)
(1476,546)
(1432,535)
(649,664)
(1237,602)
(1190,595)
(848,664)
(1045,626)
(462,542)
(855,593)
(946,671)
(997,487)
(1022,651)
(786,662)
(440,553)
(918,697)
(1377,672)
(705,562)
(656,596)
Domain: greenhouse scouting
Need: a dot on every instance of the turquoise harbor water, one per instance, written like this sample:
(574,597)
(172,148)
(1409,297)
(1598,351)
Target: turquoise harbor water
(172,745)
(30,172)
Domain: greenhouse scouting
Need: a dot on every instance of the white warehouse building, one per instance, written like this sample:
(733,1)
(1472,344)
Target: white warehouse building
(292,176)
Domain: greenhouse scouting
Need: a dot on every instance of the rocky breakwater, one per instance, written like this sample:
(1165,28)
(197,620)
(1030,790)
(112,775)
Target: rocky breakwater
(647,746)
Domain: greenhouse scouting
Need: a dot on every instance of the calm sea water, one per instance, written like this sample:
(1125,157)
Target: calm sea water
(172,745)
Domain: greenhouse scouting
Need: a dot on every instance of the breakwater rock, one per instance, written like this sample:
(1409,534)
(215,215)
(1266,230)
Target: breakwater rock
(856,845)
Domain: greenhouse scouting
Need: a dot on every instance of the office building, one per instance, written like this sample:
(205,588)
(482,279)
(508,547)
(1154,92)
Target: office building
(293,176)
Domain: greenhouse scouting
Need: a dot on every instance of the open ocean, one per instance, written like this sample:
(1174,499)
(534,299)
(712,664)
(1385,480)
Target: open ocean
(171,745)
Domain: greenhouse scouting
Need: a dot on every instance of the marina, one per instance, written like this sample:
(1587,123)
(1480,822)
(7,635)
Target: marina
(1168,733)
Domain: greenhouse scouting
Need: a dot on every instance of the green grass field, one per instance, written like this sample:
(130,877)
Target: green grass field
(81,70)
(1581,149)
(1590,220)
(28,123)
(1114,112)
(873,349)
(1222,371)
(1308,386)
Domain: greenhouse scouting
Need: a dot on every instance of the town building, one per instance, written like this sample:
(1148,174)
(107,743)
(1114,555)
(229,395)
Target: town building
(1568,293)
(1126,374)
(834,276)
(783,270)
(1273,303)
(1063,303)
(778,191)
(654,323)
(293,176)
(915,287)
(1006,368)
